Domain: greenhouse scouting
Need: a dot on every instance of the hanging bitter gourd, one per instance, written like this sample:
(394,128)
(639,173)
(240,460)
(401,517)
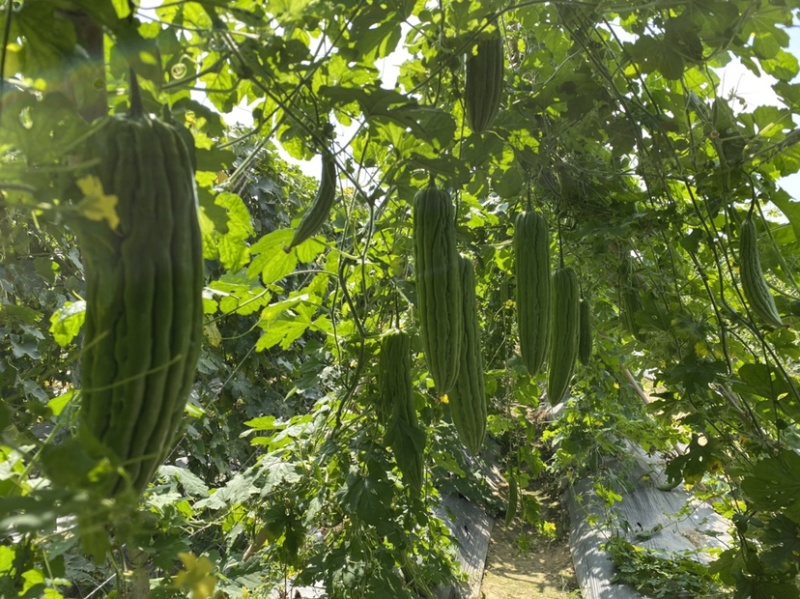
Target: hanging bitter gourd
(532,270)
(404,434)
(484,81)
(468,407)
(439,302)
(754,285)
(144,282)
(630,303)
(563,334)
(320,208)
(585,332)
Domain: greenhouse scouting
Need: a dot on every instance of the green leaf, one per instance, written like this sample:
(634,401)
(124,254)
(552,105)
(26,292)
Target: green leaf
(48,41)
(429,124)
(698,459)
(276,309)
(669,62)
(238,490)
(784,537)
(68,464)
(11,314)
(283,331)
(790,209)
(233,252)
(510,183)
(272,263)
(775,485)
(760,380)
(33,578)
(216,216)
(287,9)
(784,66)
(191,483)
(368,500)
(25,346)
(309,250)
(264,423)
(213,159)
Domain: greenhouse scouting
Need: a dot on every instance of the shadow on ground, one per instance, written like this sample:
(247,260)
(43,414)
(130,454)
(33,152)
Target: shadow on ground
(544,570)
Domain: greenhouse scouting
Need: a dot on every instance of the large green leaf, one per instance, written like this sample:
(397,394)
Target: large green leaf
(774,485)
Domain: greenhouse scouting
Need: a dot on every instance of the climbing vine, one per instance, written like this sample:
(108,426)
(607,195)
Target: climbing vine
(612,124)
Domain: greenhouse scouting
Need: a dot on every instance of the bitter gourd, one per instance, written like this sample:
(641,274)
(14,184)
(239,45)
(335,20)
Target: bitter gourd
(404,434)
(754,285)
(144,283)
(630,303)
(532,270)
(468,407)
(439,301)
(563,334)
(320,208)
(484,82)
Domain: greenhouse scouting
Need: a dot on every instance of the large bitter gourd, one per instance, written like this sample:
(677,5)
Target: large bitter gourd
(439,301)
(532,270)
(144,282)
(754,285)
(468,407)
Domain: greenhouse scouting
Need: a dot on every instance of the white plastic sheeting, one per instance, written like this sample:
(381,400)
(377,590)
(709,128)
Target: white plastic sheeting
(665,521)
(471,528)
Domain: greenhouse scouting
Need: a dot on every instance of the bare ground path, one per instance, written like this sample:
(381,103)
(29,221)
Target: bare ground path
(523,563)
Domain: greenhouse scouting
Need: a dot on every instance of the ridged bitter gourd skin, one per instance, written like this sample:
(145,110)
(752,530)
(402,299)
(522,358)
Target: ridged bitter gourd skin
(754,285)
(144,282)
(564,333)
(630,303)
(439,301)
(484,82)
(532,270)
(404,434)
(468,407)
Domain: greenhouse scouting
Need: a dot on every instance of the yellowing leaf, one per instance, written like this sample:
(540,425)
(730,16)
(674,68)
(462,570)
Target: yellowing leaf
(32,578)
(57,404)
(66,322)
(701,349)
(96,205)
(213,335)
(122,8)
(396,266)
(7,555)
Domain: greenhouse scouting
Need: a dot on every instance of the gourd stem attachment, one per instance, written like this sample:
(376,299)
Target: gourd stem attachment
(137,107)
(752,209)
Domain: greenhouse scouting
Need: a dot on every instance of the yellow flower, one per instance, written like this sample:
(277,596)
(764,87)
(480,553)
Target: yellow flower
(96,205)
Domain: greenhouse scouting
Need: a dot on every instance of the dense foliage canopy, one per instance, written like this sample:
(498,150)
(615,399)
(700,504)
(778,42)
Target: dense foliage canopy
(611,124)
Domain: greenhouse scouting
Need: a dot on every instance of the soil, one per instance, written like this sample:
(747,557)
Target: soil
(523,562)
